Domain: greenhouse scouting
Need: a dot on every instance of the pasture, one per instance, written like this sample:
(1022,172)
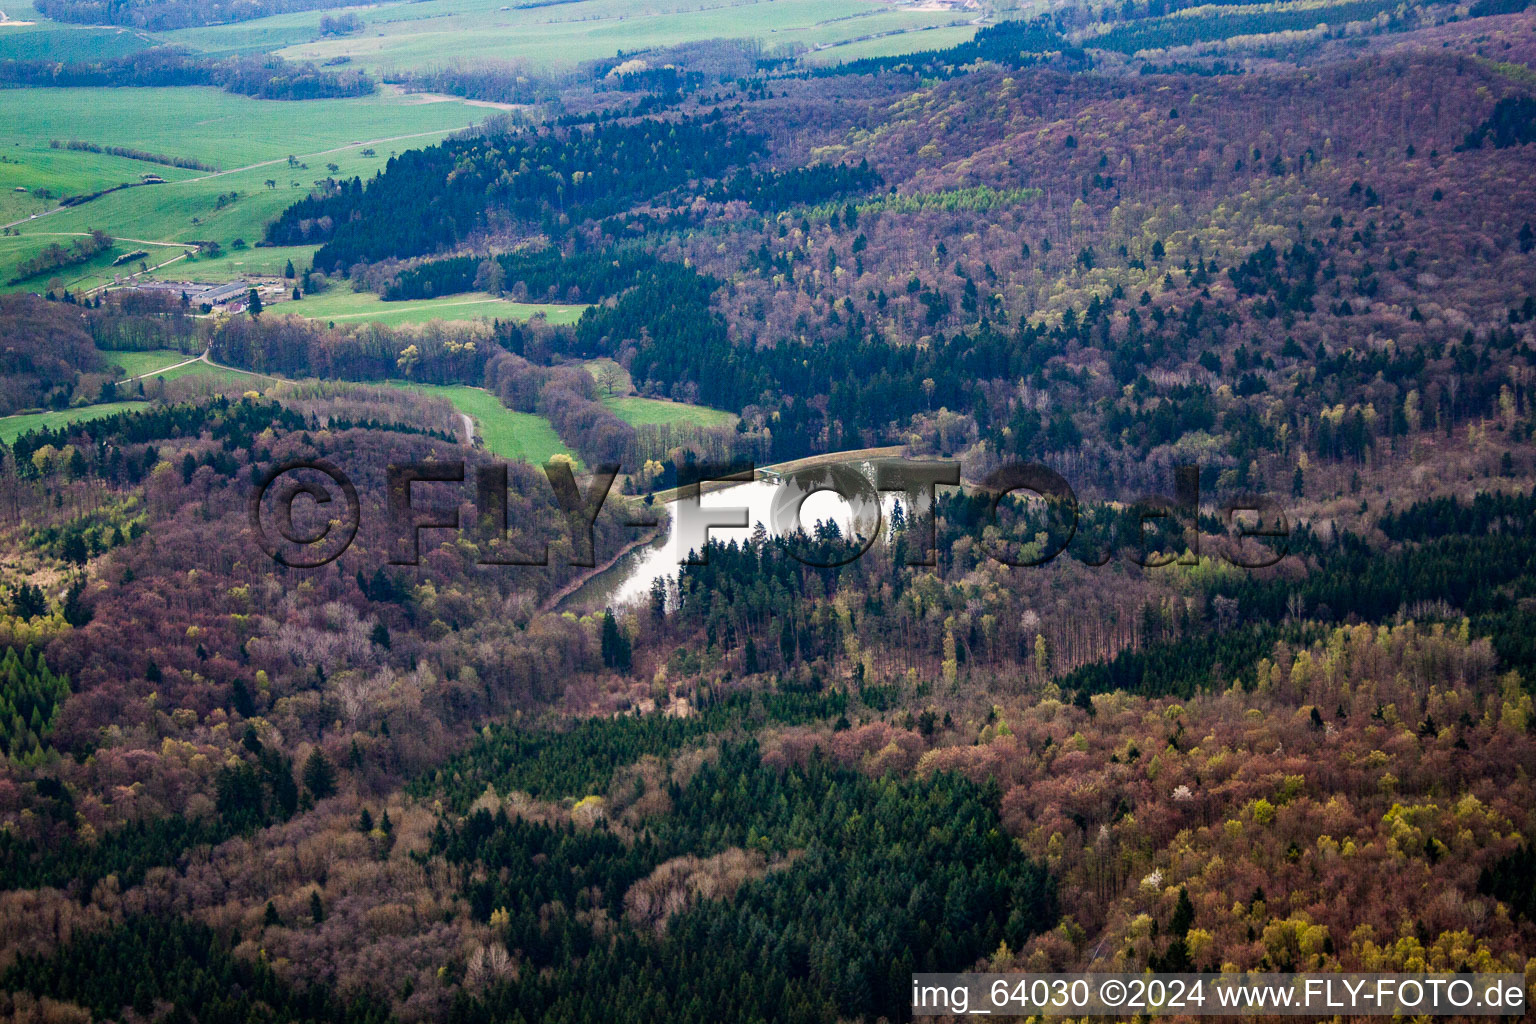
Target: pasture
(220,128)
(639,412)
(556,37)
(50,40)
(12,427)
(911,41)
(251,140)
(615,389)
(237,264)
(137,364)
(51,174)
(341,305)
(220,376)
(504,432)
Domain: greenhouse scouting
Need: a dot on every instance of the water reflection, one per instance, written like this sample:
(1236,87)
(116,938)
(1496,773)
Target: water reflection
(631,579)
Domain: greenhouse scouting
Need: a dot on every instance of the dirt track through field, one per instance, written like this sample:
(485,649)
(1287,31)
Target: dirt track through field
(248,167)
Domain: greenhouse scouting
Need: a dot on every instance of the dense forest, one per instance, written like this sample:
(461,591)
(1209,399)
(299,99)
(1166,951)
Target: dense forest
(439,195)
(791,296)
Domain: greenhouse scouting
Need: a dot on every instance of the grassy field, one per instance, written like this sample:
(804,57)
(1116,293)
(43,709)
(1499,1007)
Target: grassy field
(12,427)
(48,40)
(236,264)
(510,434)
(639,412)
(936,38)
(556,36)
(220,128)
(219,374)
(270,153)
(136,364)
(97,270)
(342,305)
(63,172)
(250,139)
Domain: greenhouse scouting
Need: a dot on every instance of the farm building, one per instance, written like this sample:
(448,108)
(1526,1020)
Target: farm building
(212,295)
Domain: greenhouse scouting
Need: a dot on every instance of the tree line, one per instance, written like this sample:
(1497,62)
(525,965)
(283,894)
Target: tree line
(166,15)
(76,145)
(264,77)
(54,256)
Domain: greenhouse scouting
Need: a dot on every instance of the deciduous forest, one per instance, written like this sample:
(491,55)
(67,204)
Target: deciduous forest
(1281,258)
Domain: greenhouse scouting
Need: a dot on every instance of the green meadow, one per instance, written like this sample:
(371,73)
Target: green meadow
(63,172)
(505,432)
(48,40)
(400,36)
(220,128)
(272,153)
(249,139)
(341,305)
(136,364)
(236,264)
(936,38)
(639,412)
(97,270)
(12,427)
(220,375)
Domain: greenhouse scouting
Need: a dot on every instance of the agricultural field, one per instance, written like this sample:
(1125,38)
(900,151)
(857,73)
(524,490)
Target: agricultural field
(48,175)
(223,129)
(250,140)
(99,269)
(910,41)
(12,427)
(341,305)
(555,37)
(47,40)
(639,412)
(137,364)
(616,388)
(219,375)
(505,432)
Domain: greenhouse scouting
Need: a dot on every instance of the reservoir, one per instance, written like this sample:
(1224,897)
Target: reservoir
(630,579)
